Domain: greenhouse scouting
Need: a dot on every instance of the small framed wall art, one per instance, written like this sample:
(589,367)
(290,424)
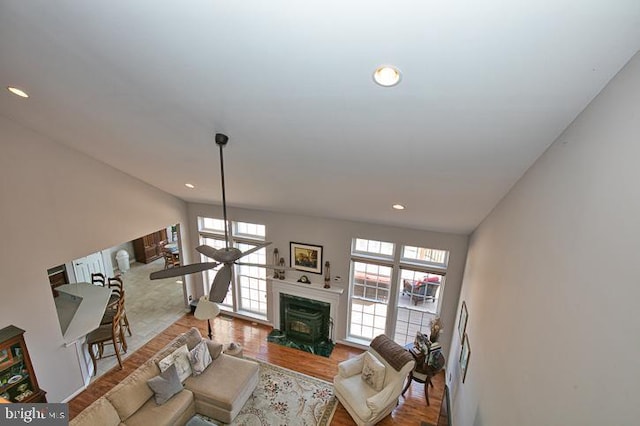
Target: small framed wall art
(306,257)
(462,321)
(465,354)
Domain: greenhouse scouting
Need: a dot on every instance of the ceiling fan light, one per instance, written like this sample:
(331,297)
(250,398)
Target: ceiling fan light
(206,309)
(387,75)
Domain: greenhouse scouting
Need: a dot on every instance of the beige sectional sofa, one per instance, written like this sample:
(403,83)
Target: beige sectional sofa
(219,392)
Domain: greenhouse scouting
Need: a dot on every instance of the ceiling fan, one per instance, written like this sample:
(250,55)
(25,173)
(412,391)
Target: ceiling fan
(227,256)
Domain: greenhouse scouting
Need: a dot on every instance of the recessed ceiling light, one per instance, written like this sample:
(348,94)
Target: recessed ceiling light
(398,206)
(189,185)
(18,92)
(386,75)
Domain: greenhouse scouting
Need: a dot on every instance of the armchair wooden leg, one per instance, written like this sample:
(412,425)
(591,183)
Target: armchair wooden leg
(408,383)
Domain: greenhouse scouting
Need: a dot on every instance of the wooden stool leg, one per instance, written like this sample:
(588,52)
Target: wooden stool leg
(126,323)
(117,351)
(93,359)
(123,341)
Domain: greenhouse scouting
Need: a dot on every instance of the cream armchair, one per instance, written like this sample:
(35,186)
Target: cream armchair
(368,391)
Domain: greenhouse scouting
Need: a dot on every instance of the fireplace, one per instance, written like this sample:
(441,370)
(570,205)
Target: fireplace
(304,320)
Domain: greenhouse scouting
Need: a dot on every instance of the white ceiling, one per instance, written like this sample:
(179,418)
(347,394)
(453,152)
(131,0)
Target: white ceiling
(487,86)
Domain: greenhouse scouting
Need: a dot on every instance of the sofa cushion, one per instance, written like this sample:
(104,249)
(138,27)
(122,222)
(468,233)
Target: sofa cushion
(100,413)
(373,371)
(222,382)
(178,410)
(355,392)
(199,358)
(179,358)
(191,338)
(133,392)
(165,385)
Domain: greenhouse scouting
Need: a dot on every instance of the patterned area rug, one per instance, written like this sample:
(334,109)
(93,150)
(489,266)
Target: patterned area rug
(285,397)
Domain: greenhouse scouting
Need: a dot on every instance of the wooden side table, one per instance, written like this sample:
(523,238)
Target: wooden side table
(424,370)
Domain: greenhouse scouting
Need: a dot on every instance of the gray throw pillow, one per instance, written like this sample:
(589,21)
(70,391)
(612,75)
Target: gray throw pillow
(165,385)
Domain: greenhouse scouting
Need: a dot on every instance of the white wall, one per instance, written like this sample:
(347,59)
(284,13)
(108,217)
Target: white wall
(552,281)
(335,236)
(56,205)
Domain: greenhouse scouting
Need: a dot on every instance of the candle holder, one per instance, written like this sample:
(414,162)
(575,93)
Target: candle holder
(327,275)
(276,259)
(281,271)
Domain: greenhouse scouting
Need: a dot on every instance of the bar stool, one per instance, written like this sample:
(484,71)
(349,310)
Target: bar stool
(98,279)
(109,334)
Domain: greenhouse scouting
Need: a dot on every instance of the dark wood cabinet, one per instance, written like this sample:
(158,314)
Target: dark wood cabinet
(18,381)
(57,277)
(148,248)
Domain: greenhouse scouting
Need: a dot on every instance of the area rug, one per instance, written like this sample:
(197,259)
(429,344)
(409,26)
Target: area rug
(285,397)
(322,348)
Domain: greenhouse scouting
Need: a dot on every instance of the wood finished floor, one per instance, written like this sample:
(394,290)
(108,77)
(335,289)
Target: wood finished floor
(411,410)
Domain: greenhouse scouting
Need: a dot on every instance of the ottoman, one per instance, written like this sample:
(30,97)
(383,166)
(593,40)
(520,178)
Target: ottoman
(224,387)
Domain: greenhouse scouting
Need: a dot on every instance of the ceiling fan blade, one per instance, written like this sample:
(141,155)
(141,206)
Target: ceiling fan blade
(256,248)
(182,270)
(220,284)
(260,265)
(206,250)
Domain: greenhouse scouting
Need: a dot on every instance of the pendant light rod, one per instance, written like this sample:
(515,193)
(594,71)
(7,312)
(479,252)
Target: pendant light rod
(222,140)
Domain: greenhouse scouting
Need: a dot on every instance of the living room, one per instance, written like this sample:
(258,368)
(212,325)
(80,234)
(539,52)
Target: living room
(541,315)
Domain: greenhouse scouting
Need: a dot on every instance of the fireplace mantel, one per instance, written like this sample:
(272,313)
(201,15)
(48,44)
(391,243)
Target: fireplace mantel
(311,291)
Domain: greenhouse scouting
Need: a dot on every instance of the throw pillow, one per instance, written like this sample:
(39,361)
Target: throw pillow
(165,385)
(180,357)
(373,371)
(199,358)
(215,348)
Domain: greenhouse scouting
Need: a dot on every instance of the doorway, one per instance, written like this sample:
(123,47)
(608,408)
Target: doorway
(85,266)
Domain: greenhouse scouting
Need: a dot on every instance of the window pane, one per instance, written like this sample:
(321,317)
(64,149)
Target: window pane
(210,274)
(252,281)
(250,230)
(209,224)
(426,255)
(369,298)
(248,285)
(373,247)
(409,322)
(371,281)
(420,290)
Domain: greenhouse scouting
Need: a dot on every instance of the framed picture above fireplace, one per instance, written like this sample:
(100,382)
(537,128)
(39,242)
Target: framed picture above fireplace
(306,257)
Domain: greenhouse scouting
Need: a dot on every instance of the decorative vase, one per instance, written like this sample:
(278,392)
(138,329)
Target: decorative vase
(281,271)
(327,275)
(276,257)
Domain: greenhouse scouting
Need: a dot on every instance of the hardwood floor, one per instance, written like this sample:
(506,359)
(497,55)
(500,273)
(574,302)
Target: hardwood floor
(411,410)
